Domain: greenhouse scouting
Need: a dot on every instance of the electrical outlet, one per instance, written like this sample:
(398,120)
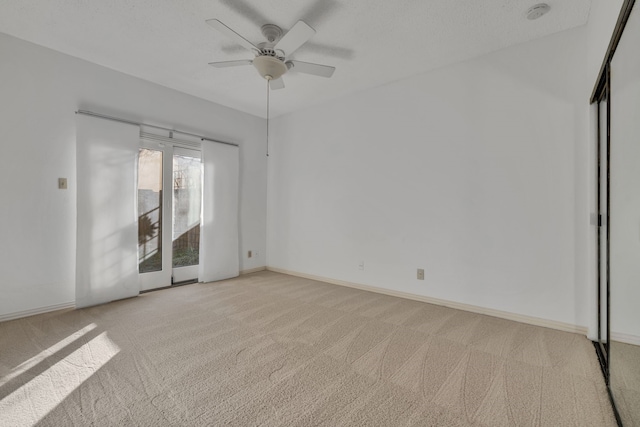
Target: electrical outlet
(361,265)
(256,254)
(62,183)
(420,274)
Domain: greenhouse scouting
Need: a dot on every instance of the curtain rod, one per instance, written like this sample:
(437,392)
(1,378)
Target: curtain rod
(117,119)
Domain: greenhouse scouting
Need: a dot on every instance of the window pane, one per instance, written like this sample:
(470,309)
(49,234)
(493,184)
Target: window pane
(187,194)
(149,211)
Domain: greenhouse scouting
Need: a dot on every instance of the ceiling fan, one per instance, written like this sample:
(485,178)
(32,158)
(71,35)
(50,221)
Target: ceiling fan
(272,56)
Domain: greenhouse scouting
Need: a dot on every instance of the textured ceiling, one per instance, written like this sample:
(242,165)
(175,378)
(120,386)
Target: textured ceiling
(370,42)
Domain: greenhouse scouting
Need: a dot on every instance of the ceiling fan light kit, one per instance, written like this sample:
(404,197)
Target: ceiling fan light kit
(269,67)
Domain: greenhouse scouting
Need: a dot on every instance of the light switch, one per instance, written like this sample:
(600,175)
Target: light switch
(62,183)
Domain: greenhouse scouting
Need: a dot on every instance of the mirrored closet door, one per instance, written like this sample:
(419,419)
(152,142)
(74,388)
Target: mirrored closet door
(624,366)
(617,96)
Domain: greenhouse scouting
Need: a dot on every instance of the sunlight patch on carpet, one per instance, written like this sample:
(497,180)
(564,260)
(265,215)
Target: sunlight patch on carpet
(38,394)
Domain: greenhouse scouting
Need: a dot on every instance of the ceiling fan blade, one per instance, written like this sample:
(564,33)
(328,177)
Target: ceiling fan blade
(296,37)
(276,84)
(225,64)
(232,35)
(315,69)
(246,10)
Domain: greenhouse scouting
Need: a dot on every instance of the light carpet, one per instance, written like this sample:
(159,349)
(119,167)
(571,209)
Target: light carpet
(276,350)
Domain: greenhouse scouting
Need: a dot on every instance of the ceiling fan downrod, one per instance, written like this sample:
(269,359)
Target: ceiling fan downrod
(268,78)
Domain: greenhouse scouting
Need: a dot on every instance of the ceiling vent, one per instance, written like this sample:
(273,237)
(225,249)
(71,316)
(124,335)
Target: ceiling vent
(537,11)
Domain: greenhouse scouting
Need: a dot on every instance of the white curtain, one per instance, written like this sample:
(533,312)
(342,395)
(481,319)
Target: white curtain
(219,248)
(107,245)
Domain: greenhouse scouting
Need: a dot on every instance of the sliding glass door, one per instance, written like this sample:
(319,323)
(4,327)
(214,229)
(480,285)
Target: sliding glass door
(169,208)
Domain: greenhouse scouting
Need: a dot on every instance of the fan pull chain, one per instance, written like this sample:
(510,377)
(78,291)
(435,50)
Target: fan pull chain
(268,117)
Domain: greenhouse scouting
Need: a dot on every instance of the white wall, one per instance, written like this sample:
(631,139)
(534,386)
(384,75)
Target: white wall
(39,91)
(468,172)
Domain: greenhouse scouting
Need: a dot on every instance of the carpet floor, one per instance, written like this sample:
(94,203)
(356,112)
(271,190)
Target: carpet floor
(276,350)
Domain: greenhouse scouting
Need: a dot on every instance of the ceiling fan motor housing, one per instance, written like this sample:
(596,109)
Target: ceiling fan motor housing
(267,51)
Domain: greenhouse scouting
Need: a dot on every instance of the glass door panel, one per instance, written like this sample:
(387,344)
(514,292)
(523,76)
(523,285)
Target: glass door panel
(154,216)
(150,211)
(187,198)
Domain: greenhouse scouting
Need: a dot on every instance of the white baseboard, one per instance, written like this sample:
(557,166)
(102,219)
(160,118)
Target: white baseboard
(566,327)
(253,270)
(625,338)
(34,311)
(66,305)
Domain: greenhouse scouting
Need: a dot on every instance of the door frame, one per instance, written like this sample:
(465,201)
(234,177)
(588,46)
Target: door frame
(603,170)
